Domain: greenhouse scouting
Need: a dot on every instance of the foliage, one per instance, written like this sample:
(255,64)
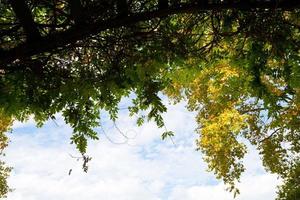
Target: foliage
(235,62)
(247,87)
(290,190)
(228,111)
(5,123)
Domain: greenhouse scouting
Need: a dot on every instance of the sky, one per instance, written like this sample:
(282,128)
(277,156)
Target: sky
(128,163)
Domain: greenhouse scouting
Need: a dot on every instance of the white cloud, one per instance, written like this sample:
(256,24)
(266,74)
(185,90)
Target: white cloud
(216,192)
(258,187)
(146,168)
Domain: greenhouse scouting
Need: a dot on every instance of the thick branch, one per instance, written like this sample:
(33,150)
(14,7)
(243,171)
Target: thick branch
(77,11)
(122,7)
(24,15)
(163,4)
(289,3)
(61,39)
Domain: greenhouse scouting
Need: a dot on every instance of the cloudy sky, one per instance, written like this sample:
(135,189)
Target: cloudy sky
(140,167)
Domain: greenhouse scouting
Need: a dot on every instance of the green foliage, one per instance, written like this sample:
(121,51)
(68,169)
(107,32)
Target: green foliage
(290,190)
(5,123)
(167,134)
(4,173)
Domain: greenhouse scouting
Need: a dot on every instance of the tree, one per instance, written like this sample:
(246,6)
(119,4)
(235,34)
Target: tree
(235,62)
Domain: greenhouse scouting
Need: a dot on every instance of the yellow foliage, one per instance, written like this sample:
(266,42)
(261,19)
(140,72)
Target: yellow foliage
(216,93)
(228,109)
(5,124)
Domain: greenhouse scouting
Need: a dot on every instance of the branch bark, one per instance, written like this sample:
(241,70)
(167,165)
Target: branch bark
(25,17)
(77,11)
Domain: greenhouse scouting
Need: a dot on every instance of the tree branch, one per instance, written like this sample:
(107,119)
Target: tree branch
(77,11)
(271,135)
(60,39)
(122,8)
(163,4)
(24,15)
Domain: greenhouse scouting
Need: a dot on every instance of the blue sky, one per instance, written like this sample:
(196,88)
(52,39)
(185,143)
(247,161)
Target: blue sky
(143,167)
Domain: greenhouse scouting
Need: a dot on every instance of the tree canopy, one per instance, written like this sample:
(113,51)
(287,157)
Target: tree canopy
(236,63)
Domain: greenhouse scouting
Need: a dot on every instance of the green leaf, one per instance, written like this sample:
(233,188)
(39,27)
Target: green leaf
(167,134)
